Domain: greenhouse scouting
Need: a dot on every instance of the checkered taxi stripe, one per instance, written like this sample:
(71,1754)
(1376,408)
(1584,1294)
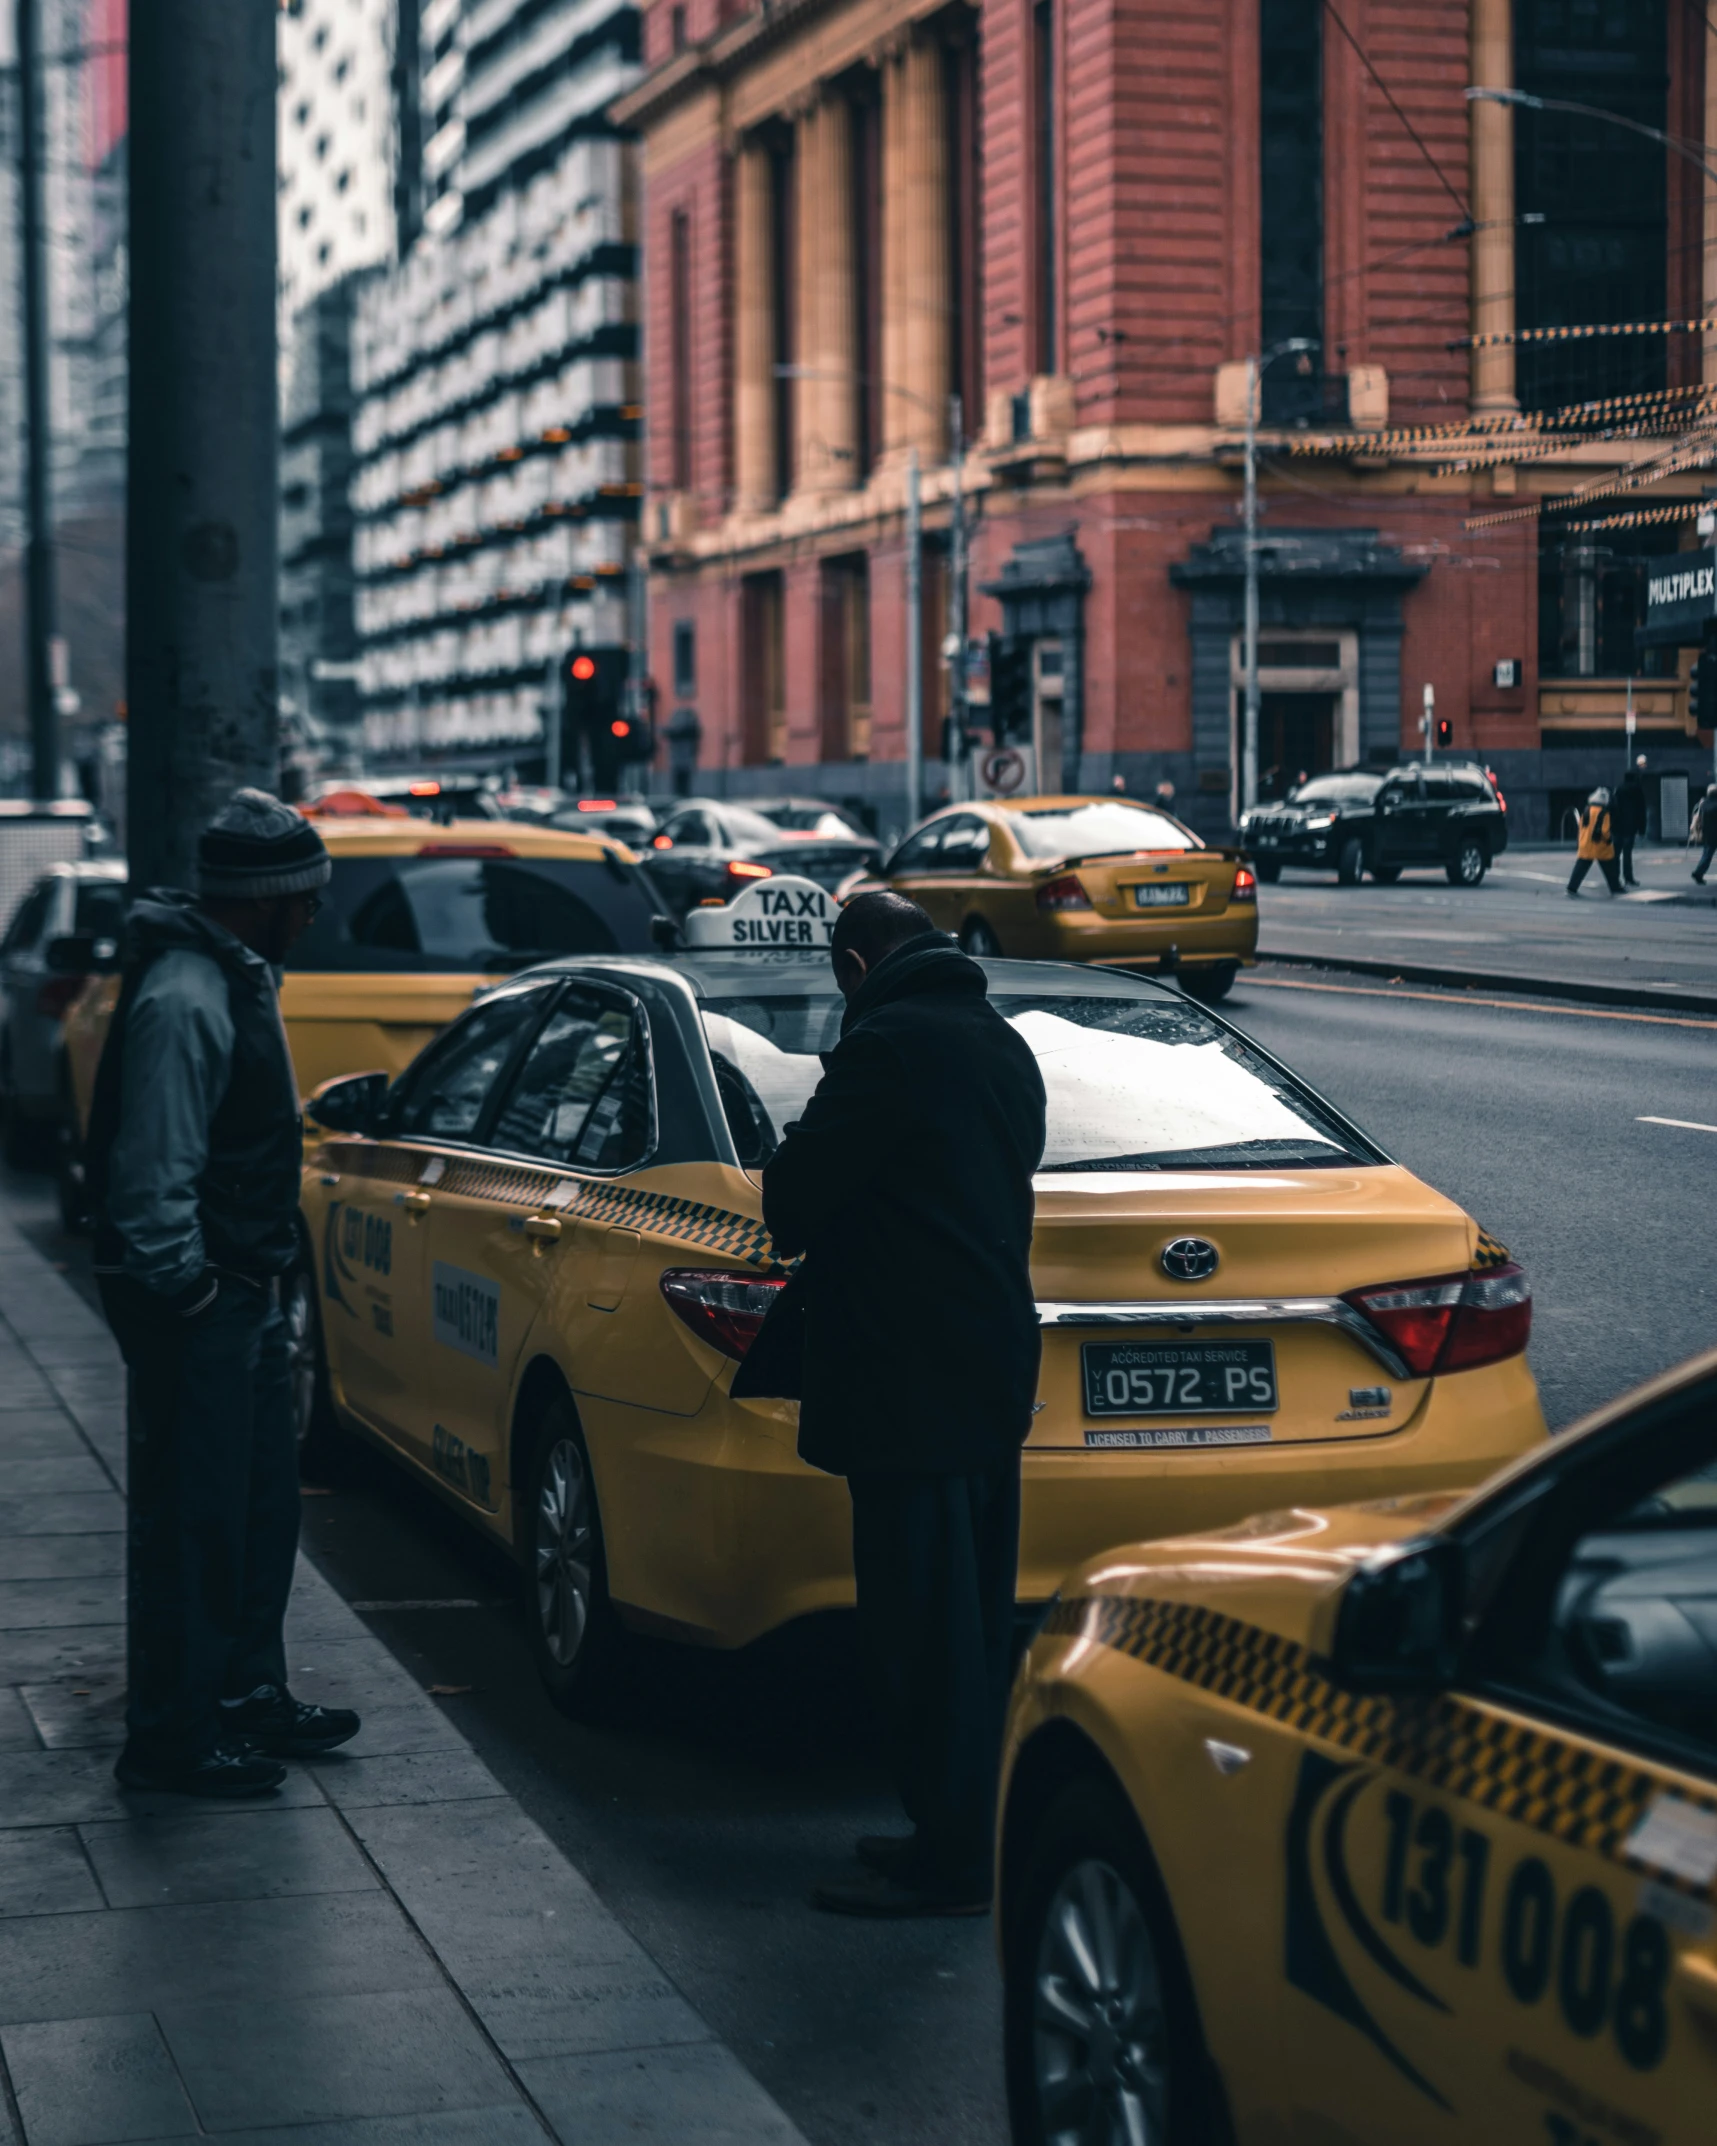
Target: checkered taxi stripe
(579,1199)
(1557,1787)
(1488,1254)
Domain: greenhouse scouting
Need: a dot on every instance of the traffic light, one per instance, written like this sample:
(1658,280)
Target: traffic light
(1445,732)
(598,728)
(1010,690)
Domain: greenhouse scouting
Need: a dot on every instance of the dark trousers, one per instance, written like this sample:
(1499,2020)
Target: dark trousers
(213,1503)
(1606,865)
(936,1558)
(1625,857)
(1706,855)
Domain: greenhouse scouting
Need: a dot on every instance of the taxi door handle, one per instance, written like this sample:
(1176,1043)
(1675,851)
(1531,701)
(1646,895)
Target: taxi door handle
(417,1203)
(1699,1983)
(545,1228)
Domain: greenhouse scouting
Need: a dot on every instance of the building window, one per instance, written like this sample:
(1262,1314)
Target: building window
(1591,598)
(844,684)
(763,708)
(1601,249)
(677,28)
(1291,203)
(1044,129)
(685,657)
(680,341)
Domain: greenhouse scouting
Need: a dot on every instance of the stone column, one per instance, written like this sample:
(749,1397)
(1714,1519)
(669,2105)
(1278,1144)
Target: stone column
(837,355)
(1708,372)
(1492,146)
(757,482)
(894,131)
(810,459)
(927,266)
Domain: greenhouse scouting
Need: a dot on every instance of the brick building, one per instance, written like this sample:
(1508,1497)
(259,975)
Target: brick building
(1081,217)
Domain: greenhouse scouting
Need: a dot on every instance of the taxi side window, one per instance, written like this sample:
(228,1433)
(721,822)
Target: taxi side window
(582,1097)
(919,852)
(443,1095)
(965,845)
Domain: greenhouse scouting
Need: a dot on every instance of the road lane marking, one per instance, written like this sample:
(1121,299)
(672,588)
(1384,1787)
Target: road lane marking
(1686,1125)
(1461,998)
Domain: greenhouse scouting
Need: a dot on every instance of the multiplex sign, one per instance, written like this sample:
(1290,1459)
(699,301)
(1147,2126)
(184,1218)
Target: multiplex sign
(1681,595)
(783,915)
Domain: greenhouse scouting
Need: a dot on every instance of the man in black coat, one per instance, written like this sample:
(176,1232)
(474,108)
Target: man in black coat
(907,1186)
(1628,818)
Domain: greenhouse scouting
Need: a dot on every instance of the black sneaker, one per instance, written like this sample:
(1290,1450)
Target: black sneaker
(275,1721)
(890,1855)
(232,1768)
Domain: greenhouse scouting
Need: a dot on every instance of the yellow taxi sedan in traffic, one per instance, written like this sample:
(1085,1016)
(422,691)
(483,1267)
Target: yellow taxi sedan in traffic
(1390,1823)
(539,1256)
(1083,879)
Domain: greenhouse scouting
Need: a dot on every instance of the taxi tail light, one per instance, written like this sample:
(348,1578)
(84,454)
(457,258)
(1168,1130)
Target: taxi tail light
(726,1310)
(740,868)
(1063,892)
(1245,886)
(1452,1322)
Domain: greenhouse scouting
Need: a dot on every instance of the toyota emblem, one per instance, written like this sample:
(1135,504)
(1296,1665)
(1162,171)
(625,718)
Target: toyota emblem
(1190,1259)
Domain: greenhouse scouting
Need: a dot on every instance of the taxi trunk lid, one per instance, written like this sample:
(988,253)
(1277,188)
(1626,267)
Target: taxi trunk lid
(1167,883)
(1262,1349)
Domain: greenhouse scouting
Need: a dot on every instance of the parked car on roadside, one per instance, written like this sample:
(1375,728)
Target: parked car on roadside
(51,946)
(1383,822)
(709,849)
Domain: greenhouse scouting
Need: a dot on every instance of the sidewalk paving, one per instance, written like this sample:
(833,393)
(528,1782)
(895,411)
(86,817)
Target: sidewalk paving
(386,1953)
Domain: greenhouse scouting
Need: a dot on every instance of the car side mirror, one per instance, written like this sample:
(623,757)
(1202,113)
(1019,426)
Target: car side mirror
(1398,1626)
(351,1104)
(665,934)
(81,953)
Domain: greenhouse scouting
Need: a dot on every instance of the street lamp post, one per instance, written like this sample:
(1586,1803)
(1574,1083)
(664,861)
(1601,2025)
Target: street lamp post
(1255,368)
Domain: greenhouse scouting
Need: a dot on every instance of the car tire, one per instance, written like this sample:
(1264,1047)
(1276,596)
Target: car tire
(316,1425)
(1350,862)
(1268,869)
(576,1640)
(1088,1894)
(1469,864)
(1210,984)
(1386,874)
(979,940)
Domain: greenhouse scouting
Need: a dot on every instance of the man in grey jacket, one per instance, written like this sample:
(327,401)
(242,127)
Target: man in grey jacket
(194,1153)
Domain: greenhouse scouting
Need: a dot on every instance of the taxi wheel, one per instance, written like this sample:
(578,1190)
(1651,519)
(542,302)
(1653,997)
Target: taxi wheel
(1102,2034)
(977,939)
(1210,984)
(574,1634)
(312,1404)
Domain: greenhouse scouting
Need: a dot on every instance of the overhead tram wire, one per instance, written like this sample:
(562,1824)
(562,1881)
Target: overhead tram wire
(1413,133)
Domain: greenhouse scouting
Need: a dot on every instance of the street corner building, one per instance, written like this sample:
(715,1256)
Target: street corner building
(1096,235)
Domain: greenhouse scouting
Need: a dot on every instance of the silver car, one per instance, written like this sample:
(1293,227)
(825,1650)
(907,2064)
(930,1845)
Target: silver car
(84,903)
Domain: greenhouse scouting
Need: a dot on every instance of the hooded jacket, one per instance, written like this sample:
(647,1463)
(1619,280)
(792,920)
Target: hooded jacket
(1595,843)
(907,1187)
(195,1140)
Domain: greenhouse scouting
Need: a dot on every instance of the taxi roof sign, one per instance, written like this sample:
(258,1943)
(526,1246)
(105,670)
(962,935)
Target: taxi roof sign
(781,915)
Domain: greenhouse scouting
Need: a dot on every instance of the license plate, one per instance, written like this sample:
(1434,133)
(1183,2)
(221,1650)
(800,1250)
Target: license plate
(1169,894)
(1179,1378)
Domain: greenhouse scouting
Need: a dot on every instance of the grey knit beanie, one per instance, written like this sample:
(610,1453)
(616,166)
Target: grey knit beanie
(256,847)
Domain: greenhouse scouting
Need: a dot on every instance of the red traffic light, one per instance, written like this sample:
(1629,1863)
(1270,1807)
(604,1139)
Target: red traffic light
(584,669)
(620,728)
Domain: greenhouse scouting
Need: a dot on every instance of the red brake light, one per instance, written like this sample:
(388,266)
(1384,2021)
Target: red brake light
(1245,886)
(726,1310)
(596,804)
(425,789)
(1452,1322)
(662,842)
(739,868)
(1063,892)
(55,995)
(465,849)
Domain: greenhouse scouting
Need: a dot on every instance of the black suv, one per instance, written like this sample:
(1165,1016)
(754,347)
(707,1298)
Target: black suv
(1355,821)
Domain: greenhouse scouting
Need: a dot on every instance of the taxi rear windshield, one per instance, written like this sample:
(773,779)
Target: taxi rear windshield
(1101,830)
(1132,1084)
(430,914)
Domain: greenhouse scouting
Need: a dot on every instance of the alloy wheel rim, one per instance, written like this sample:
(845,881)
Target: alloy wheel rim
(1099,2035)
(563,1553)
(301,1350)
(1472,863)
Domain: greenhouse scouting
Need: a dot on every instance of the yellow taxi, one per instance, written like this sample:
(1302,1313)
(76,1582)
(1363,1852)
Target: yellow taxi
(1083,879)
(539,1255)
(415,921)
(1394,1822)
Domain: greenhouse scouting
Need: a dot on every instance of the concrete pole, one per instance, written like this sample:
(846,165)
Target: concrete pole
(1249,649)
(201,658)
(914,644)
(961,785)
(1491,146)
(42,597)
